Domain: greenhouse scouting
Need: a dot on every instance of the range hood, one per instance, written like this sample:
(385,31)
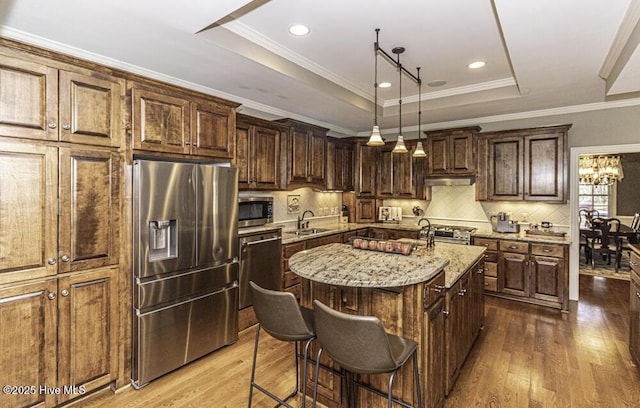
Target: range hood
(450,181)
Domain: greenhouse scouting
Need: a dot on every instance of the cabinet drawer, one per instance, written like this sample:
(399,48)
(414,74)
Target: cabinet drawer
(547,250)
(491,269)
(514,246)
(290,249)
(290,279)
(490,256)
(331,239)
(491,283)
(434,289)
(490,243)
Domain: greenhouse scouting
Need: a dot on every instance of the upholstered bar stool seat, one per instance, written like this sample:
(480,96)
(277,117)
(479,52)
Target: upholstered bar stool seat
(360,345)
(279,314)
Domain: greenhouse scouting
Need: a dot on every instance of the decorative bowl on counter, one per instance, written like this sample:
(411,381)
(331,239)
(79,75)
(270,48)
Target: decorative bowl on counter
(382,245)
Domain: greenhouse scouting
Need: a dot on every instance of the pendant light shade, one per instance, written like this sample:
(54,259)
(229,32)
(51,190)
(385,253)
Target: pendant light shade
(375,139)
(400,147)
(419,152)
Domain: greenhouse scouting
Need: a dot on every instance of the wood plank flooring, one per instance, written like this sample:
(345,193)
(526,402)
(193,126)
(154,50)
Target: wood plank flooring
(526,356)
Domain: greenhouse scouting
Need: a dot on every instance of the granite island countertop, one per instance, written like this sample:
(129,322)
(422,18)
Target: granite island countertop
(342,265)
(523,236)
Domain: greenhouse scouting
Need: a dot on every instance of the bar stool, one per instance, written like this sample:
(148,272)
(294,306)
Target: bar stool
(360,345)
(280,316)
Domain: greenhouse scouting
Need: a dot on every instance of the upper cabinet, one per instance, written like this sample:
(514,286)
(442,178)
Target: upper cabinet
(452,152)
(170,121)
(523,164)
(366,169)
(340,164)
(397,173)
(306,155)
(258,158)
(42,102)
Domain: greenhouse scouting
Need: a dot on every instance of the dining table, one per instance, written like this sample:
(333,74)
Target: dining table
(624,233)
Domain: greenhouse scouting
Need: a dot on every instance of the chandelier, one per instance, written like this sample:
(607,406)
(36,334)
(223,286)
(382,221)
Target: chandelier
(376,138)
(600,170)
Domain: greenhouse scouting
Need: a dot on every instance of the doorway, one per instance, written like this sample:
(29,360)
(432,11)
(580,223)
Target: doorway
(574,253)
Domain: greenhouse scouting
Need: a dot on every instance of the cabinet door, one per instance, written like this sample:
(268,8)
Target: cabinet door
(634,310)
(265,152)
(28,342)
(160,122)
(298,156)
(367,159)
(28,99)
(438,148)
(433,355)
(404,183)
(547,281)
(29,211)
(344,167)
(385,185)
(461,154)
(317,158)
(89,209)
(212,130)
(513,274)
(87,330)
(90,109)
(366,210)
(476,293)
(243,156)
(453,326)
(544,167)
(505,175)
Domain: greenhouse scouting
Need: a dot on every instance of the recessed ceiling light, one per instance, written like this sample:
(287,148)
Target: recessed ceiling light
(299,29)
(436,83)
(384,84)
(477,64)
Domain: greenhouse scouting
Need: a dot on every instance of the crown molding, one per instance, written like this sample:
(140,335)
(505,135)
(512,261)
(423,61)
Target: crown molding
(627,26)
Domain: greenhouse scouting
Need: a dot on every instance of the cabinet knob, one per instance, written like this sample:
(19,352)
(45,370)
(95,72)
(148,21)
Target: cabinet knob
(438,288)
(65,258)
(66,126)
(445,312)
(64,293)
(513,247)
(638,295)
(479,271)
(51,261)
(53,125)
(546,250)
(51,295)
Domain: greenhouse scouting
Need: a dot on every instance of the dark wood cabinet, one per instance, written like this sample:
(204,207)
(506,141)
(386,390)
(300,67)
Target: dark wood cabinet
(306,149)
(340,164)
(433,356)
(366,210)
(168,120)
(523,164)
(452,152)
(399,173)
(366,170)
(634,308)
(258,157)
(390,233)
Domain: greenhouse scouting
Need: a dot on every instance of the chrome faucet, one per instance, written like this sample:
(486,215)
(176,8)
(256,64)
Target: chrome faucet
(300,219)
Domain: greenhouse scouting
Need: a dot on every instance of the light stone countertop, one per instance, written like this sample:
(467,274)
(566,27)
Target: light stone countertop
(288,237)
(341,265)
(522,236)
(461,257)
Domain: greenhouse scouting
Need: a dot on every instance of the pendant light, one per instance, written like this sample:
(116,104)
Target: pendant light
(419,152)
(375,139)
(400,147)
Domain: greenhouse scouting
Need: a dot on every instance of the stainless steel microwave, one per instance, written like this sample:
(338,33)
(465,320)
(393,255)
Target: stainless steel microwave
(254,211)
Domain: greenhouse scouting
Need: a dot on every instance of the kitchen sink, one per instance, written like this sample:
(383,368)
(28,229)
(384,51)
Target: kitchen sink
(310,231)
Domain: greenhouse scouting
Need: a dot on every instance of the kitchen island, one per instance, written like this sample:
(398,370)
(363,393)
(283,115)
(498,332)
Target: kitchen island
(407,293)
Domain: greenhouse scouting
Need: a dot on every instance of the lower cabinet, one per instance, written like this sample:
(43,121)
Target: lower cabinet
(433,355)
(387,233)
(59,334)
(527,270)
(464,310)
(634,306)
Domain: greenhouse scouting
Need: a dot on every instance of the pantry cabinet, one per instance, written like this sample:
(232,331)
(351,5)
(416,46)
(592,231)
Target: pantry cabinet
(258,153)
(38,101)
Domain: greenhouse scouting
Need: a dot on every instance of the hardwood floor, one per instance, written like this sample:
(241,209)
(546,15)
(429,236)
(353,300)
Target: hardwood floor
(526,356)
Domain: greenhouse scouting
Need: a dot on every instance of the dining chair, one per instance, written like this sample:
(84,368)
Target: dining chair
(585,215)
(605,240)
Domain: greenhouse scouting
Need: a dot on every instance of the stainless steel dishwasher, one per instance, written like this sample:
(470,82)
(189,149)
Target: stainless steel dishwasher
(260,261)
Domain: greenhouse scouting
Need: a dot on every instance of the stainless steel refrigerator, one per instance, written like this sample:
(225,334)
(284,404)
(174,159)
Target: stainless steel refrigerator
(185,264)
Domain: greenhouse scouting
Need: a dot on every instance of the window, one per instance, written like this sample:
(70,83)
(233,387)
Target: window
(595,197)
